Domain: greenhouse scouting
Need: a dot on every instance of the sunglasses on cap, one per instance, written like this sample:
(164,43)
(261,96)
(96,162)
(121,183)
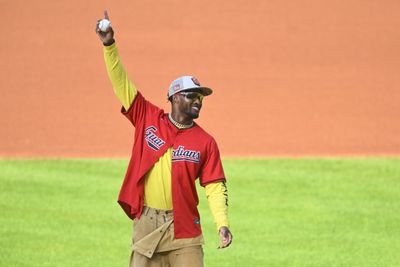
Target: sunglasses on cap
(192,96)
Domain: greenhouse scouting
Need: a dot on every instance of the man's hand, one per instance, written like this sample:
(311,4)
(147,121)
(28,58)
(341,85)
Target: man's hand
(106,37)
(226,237)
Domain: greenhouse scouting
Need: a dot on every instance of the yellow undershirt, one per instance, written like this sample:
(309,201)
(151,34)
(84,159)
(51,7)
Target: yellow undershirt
(157,186)
(157,189)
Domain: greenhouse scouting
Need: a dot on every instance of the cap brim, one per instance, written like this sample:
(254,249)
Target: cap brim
(202,90)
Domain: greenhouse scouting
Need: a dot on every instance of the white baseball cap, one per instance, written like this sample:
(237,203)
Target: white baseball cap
(186,83)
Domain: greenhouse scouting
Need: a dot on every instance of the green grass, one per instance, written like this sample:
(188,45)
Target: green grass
(283,212)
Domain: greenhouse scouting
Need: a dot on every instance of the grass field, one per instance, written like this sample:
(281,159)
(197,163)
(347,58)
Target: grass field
(283,212)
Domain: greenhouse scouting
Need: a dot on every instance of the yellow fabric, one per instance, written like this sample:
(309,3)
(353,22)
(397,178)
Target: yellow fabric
(217,196)
(158,192)
(123,87)
(157,187)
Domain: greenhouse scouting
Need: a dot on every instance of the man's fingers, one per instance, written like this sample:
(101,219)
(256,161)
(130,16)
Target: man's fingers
(226,244)
(227,240)
(106,15)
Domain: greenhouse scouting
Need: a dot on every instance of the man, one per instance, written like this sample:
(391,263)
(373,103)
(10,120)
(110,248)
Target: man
(170,152)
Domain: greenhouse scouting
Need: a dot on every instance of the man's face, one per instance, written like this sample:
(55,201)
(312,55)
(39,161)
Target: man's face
(190,103)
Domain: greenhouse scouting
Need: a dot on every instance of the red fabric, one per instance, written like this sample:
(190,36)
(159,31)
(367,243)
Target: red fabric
(195,155)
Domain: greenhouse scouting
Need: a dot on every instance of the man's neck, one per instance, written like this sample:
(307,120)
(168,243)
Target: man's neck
(184,120)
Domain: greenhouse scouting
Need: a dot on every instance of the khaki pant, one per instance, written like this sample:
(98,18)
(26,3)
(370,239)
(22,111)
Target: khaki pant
(154,245)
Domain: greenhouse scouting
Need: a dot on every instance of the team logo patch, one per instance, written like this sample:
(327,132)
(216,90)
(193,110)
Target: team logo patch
(182,154)
(153,141)
(177,87)
(195,81)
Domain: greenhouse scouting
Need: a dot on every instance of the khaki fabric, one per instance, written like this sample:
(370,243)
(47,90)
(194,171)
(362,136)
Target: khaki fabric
(153,242)
(184,257)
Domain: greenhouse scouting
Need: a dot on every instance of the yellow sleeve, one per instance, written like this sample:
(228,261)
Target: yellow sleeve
(217,196)
(123,87)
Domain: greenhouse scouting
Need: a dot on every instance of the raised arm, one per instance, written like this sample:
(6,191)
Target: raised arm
(123,87)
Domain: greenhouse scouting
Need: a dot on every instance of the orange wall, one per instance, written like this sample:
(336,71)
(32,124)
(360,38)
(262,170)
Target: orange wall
(291,78)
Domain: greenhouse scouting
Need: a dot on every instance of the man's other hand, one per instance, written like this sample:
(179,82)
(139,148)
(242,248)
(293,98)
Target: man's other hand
(225,236)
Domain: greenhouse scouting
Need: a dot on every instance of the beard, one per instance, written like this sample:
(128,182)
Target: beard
(192,115)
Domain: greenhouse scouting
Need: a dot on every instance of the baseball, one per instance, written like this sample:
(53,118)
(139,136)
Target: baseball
(104,24)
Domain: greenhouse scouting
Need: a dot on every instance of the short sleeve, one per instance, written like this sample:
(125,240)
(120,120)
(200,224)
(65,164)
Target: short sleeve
(212,170)
(139,109)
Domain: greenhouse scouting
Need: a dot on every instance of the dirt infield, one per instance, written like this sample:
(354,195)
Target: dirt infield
(291,78)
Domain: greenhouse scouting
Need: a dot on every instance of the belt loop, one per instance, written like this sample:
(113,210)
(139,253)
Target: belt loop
(146,210)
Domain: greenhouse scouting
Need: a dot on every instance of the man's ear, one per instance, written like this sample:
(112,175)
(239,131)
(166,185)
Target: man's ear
(175,99)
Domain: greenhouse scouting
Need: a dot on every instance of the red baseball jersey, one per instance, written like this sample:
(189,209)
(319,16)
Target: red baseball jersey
(195,155)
